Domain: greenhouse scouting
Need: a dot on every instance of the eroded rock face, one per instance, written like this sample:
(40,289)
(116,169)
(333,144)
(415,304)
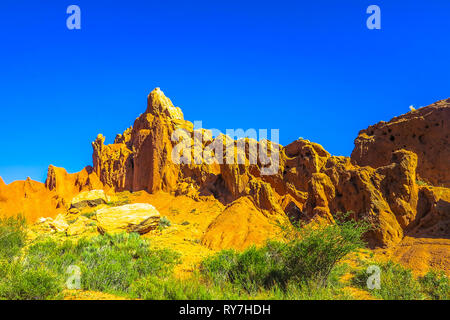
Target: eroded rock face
(239,226)
(433,213)
(386,197)
(308,183)
(424,131)
(140,158)
(29,198)
(67,186)
(138,217)
(378,183)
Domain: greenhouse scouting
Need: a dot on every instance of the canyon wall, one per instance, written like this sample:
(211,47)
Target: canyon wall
(393,179)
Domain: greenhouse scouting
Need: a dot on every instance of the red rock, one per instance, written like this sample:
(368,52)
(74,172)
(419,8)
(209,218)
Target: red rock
(29,198)
(239,226)
(424,131)
(67,186)
(310,184)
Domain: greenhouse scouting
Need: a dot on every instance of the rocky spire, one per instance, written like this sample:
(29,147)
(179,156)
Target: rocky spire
(158,103)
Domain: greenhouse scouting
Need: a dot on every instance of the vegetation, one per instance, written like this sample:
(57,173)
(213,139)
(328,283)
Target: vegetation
(108,263)
(12,236)
(89,214)
(19,281)
(421,183)
(307,259)
(398,283)
(435,285)
(24,282)
(307,264)
(164,222)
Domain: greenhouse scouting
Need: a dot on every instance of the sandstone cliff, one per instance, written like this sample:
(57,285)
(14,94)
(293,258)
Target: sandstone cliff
(309,183)
(424,131)
(67,186)
(29,198)
(382,182)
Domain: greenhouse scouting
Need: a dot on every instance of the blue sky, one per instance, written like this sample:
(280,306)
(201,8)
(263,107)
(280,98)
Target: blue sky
(311,69)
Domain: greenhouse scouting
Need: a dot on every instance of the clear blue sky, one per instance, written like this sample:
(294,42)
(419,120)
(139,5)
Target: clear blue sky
(310,69)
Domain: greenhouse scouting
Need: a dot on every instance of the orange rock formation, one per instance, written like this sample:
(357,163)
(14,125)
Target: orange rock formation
(309,184)
(378,183)
(29,198)
(424,131)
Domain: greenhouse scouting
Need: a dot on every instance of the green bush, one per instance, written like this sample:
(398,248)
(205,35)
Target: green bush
(12,236)
(436,286)
(164,222)
(22,283)
(397,283)
(107,263)
(310,257)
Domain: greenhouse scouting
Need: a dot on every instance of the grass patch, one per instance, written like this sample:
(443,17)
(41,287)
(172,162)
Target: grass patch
(17,279)
(108,263)
(12,236)
(169,288)
(398,283)
(435,285)
(22,282)
(306,265)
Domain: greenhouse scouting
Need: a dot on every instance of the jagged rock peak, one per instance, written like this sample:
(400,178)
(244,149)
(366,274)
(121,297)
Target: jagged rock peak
(159,104)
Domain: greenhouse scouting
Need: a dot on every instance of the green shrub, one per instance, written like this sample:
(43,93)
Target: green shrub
(108,263)
(164,222)
(397,283)
(22,283)
(12,236)
(308,258)
(313,257)
(436,286)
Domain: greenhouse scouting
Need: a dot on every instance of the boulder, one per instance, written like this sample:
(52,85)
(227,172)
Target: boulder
(59,224)
(92,198)
(78,227)
(138,217)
